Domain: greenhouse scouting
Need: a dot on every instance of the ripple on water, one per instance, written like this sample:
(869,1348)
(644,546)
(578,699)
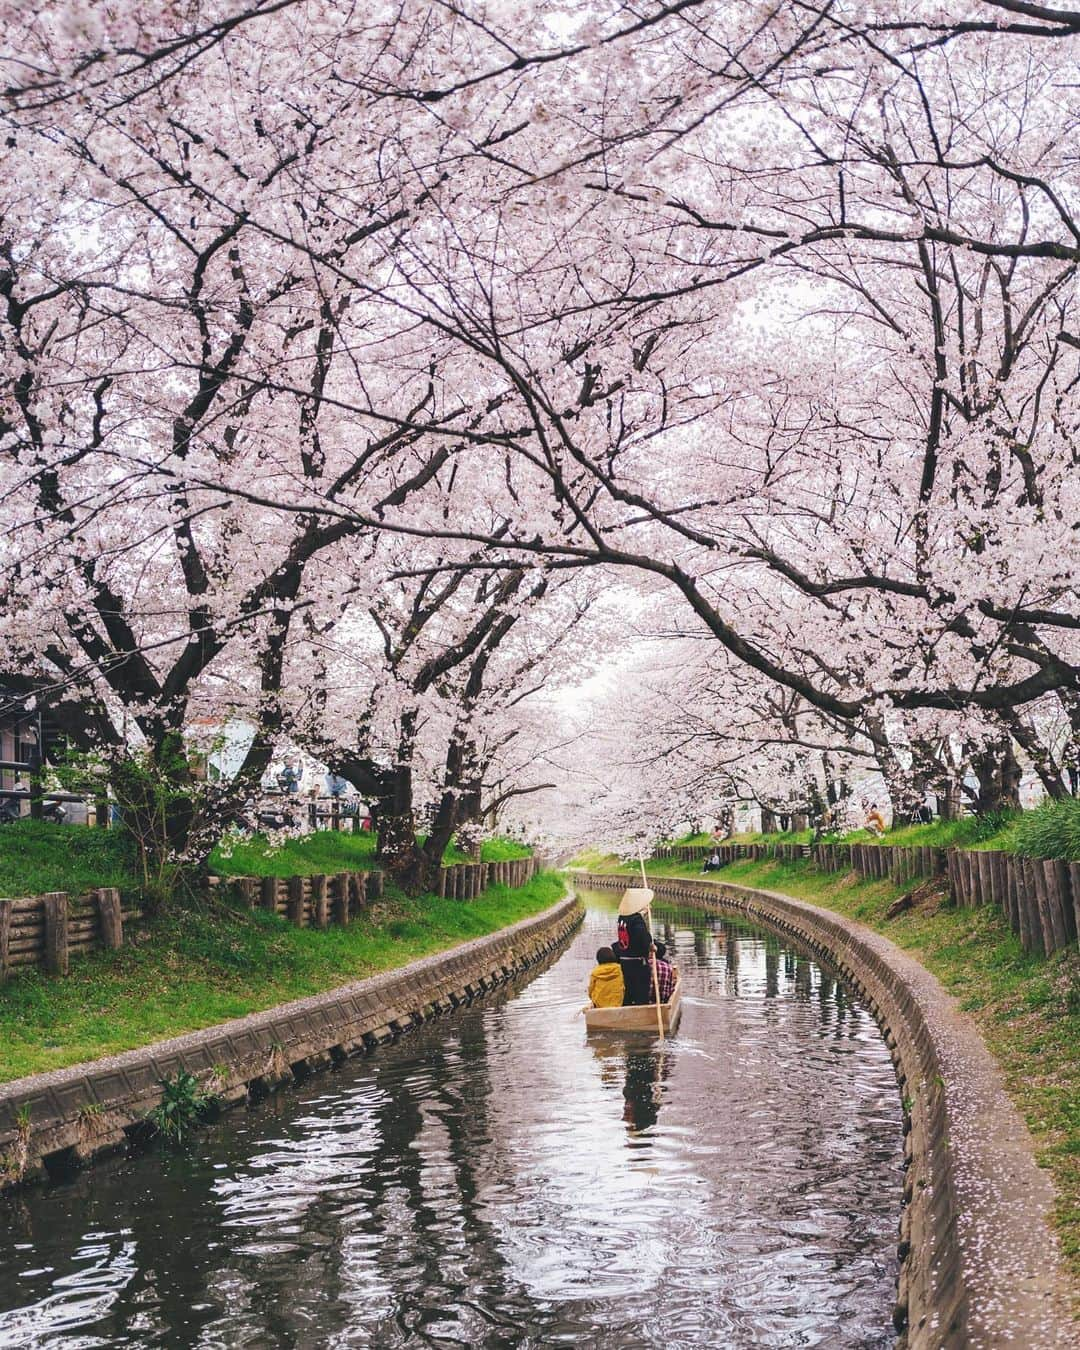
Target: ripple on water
(502,1179)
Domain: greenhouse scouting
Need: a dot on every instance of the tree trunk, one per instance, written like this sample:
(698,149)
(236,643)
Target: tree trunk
(398,850)
(998,774)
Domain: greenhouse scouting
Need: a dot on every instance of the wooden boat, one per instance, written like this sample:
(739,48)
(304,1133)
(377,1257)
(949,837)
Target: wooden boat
(641,1017)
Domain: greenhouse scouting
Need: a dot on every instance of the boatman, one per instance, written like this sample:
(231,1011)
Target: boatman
(634,945)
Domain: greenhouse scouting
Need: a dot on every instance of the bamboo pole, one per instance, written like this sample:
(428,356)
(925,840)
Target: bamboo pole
(652,957)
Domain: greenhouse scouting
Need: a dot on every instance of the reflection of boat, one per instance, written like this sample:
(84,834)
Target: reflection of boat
(641,1017)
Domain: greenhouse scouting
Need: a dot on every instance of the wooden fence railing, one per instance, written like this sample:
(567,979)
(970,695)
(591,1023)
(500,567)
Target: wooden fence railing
(1039,897)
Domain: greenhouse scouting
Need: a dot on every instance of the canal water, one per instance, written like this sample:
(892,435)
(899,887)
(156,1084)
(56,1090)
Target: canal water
(500,1178)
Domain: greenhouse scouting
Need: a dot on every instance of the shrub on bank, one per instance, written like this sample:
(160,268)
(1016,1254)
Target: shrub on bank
(1051,830)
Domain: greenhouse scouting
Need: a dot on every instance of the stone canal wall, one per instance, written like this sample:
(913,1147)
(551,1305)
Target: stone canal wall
(979,1264)
(53,1121)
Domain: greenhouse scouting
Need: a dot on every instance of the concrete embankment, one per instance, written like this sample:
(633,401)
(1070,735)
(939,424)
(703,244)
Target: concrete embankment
(52,1121)
(979,1263)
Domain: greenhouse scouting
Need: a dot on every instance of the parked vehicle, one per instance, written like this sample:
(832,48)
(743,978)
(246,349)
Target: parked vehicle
(11,811)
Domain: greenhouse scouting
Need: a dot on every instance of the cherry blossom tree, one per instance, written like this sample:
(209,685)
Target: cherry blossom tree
(766,312)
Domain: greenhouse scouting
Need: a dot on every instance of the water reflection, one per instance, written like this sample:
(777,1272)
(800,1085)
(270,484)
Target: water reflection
(502,1179)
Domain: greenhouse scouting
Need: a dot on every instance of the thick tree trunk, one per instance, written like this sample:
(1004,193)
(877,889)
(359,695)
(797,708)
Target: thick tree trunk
(948,802)
(998,774)
(398,850)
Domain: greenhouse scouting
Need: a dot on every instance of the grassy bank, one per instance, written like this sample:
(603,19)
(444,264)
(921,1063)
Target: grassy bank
(330,851)
(1027,1009)
(1050,830)
(36,856)
(200,966)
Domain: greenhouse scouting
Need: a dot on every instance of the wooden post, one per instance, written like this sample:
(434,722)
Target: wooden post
(974,886)
(295,904)
(1056,878)
(359,890)
(313,815)
(1024,925)
(112,925)
(339,895)
(1001,884)
(320,905)
(1052,927)
(441,885)
(246,887)
(376,885)
(335,814)
(56,932)
(1036,909)
(6,907)
(1074,885)
(268,894)
(1008,890)
(982,863)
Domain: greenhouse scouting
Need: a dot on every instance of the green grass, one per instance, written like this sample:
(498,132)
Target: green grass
(993,831)
(36,856)
(1052,830)
(1026,1008)
(325,851)
(330,851)
(203,965)
(503,850)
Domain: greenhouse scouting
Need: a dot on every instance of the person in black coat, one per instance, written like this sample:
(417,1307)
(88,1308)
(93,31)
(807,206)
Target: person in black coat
(634,945)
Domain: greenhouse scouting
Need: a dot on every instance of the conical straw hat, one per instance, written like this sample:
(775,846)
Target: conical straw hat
(634,900)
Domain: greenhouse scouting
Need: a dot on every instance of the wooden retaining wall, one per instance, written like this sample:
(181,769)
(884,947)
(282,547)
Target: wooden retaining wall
(47,930)
(312,901)
(1040,897)
(465,881)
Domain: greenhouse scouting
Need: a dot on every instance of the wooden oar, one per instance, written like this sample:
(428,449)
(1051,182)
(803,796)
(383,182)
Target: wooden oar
(652,955)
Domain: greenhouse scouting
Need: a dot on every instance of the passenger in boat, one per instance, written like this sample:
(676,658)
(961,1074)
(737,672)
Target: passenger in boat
(634,946)
(665,972)
(606,987)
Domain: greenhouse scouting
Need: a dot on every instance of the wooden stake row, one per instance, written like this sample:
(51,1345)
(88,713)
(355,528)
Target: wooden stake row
(465,881)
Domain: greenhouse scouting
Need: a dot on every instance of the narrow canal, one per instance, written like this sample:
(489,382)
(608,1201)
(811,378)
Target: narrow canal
(501,1179)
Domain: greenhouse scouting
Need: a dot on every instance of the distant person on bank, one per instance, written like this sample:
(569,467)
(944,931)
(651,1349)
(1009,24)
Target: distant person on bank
(634,946)
(606,987)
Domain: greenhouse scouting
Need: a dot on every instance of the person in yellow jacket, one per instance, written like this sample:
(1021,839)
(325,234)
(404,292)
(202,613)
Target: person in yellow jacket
(606,982)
